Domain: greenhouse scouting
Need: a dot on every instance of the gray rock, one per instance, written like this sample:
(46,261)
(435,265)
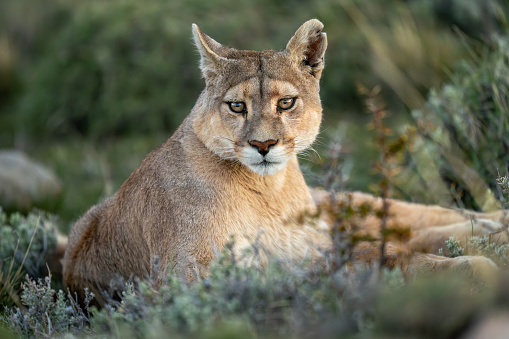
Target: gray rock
(25,183)
(492,326)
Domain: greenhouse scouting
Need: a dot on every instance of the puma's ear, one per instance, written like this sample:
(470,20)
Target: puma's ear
(308,45)
(210,53)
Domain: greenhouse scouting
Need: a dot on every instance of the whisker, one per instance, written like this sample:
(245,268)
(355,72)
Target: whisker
(319,142)
(325,129)
(307,159)
(317,154)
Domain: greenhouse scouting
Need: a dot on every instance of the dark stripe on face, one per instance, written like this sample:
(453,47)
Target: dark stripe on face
(260,65)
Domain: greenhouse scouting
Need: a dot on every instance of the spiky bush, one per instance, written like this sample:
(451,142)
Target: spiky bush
(280,301)
(277,301)
(46,312)
(503,183)
(24,242)
(467,123)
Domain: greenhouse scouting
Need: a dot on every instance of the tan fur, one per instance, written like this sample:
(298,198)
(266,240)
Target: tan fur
(429,226)
(208,181)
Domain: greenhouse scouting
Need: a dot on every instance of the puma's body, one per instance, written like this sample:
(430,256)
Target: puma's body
(230,168)
(179,205)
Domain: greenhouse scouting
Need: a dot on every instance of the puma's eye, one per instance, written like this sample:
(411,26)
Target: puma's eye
(238,107)
(286,103)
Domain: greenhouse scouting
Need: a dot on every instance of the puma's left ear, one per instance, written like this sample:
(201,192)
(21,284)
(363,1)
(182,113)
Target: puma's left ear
(307,47)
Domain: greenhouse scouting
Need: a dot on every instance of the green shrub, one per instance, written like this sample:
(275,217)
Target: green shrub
(46,312)
(112,70)
(16,233)
(467,124)
(279,301)
(440,307)
(503,183)
(24,242)
(454,247)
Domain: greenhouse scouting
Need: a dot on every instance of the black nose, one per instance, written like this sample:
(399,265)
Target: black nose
(263,146)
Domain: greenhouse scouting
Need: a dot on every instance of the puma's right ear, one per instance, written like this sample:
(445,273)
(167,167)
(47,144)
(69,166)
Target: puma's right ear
(308,45)
(210,61)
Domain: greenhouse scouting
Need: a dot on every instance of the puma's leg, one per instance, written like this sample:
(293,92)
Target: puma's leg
(401,213)
(479,268)
(431,239)
(431,226)
(418,216)
(418,264)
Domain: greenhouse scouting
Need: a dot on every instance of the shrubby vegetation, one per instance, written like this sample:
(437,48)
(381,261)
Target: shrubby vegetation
(45,312)
(24,243)
(467,123)
(279,301)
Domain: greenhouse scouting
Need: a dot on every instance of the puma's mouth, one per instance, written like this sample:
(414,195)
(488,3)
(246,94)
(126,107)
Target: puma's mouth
(264,164)
(266,167)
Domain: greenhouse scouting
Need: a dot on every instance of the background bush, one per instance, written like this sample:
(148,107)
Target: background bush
(101,69)
(471,123)
(279,301)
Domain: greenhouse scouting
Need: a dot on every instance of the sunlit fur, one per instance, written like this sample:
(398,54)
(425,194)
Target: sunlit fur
(208,182)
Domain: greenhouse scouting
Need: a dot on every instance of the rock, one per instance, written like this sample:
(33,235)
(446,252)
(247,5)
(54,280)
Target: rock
(25,183)
(493,326)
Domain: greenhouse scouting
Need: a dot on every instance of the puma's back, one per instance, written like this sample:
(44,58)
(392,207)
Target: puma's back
(230,168)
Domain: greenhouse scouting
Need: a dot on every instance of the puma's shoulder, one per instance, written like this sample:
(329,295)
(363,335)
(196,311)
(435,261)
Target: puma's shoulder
(230,168)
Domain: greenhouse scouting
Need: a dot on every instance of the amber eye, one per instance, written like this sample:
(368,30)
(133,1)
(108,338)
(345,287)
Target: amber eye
(237,107)
(285,103)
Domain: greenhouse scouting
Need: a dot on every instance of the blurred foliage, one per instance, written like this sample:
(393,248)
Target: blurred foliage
(442,307)
(466,123)
(92,171)
(105,68)
(24,243)
(280,301)
(503,183)
(437,173)
(16,237)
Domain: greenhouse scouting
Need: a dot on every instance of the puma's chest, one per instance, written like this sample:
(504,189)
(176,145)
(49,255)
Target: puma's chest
(264,205)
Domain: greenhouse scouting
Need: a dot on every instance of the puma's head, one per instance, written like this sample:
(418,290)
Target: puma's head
(261,108)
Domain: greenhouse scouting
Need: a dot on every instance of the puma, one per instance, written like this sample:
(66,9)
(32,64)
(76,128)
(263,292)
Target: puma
(231,168)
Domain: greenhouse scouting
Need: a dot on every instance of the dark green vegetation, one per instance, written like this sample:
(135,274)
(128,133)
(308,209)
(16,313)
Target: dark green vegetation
(88,88)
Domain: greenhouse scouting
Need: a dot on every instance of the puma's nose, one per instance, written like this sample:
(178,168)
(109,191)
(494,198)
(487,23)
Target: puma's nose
(263,146)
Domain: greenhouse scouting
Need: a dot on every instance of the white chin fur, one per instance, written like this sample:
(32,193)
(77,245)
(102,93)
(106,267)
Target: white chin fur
(274,162)
(267,168)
